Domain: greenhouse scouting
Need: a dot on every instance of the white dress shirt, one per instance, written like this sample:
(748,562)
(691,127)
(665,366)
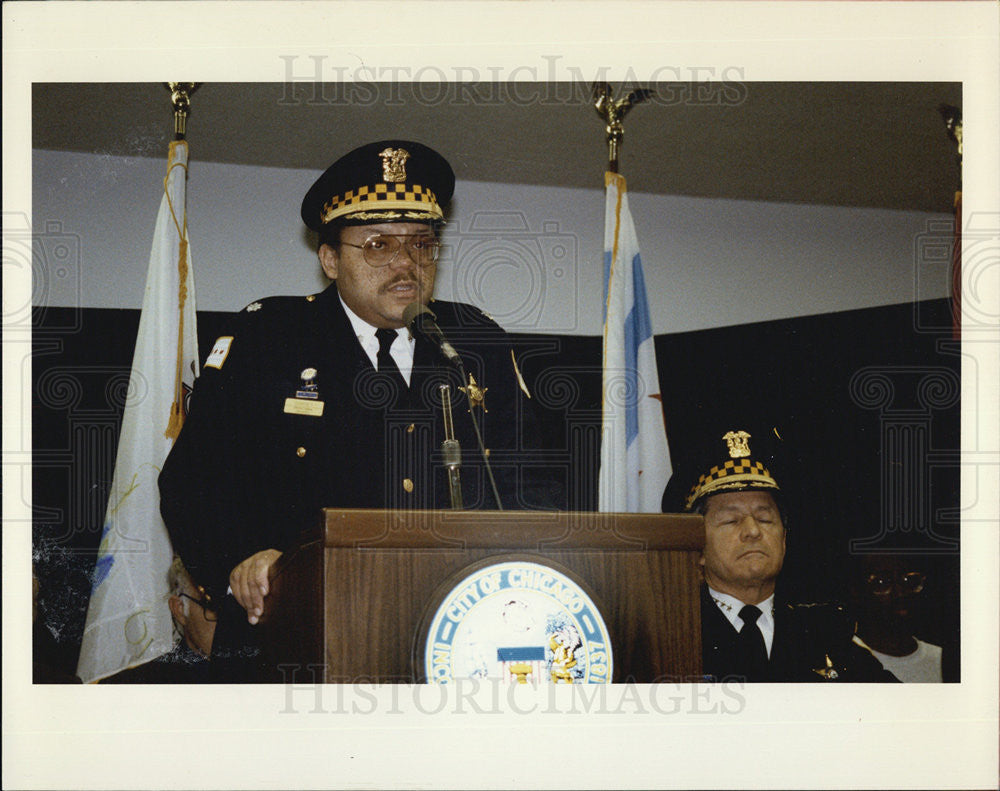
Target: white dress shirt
(730,606)
(401,349)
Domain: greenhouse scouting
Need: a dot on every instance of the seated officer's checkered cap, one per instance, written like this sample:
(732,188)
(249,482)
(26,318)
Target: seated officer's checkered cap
(731,460)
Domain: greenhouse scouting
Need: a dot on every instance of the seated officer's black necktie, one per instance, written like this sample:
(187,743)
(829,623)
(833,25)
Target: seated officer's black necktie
(387,365)
(752,650)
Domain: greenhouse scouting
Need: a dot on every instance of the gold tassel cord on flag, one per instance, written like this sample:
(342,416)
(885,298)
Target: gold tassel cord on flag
(177,407)
(609,177)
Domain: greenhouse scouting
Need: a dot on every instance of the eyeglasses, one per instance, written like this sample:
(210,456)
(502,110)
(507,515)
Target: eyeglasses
(382,248)
(205,603)
(882,584)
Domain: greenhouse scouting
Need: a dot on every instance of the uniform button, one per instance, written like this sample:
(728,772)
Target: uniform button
(410,428)
(407,484)
(487,453)
(311,298)
(300,452)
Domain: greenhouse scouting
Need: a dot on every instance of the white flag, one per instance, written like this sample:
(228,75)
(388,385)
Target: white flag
(635,460)
(128,620)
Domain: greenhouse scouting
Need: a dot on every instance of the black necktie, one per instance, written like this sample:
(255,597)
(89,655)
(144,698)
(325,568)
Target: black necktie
(387,365)
(752,650)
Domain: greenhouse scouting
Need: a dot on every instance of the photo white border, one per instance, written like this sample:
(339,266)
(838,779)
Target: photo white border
(942,736)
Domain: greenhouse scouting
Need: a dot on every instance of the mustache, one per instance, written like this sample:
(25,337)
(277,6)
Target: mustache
(401,279)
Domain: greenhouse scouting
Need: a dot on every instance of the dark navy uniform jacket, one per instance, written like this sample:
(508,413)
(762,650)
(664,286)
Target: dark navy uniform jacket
(255,462)
(805,637)
(179,666)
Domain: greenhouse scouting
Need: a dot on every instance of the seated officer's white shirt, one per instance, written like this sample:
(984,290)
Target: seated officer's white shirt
(401,349)
(730,606)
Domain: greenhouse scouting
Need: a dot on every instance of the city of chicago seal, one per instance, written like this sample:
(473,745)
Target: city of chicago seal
(521,622)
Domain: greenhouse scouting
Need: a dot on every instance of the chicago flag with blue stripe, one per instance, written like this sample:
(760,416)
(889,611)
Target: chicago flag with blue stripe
(635,460)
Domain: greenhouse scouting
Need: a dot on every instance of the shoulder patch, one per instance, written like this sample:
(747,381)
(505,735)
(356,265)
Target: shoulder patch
(253,307)
(219,352)
(517,372)
(487,315)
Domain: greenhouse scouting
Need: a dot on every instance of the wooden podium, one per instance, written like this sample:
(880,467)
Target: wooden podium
(350,603)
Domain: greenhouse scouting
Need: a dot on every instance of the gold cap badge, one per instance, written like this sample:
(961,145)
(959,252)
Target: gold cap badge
(394,164)
(739,447)
(736,473)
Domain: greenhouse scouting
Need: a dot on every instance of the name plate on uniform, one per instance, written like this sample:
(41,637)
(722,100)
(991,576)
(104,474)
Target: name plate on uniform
(299,406)
(521,622)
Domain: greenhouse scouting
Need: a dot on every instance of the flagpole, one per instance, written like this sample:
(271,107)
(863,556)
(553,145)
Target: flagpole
(952,117)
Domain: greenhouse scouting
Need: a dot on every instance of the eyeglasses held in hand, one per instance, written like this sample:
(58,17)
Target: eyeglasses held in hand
(205,603)
(383,248)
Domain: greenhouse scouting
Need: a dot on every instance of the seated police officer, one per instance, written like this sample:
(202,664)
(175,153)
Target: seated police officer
(329,400)
(747,634)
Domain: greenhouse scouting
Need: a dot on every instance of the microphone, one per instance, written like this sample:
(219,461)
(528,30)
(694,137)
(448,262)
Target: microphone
(418,316)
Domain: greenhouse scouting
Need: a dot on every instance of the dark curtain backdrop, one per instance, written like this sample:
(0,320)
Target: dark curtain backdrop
(867,402)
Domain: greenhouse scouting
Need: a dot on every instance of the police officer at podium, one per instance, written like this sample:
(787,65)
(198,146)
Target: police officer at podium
(748,632)
(331,400)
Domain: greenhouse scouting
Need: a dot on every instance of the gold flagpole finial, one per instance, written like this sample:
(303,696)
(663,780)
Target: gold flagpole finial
(180,96)
(613,112)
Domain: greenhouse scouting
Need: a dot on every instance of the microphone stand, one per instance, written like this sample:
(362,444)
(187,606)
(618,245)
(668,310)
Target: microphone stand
(451,450)
(479,436)
(419,316)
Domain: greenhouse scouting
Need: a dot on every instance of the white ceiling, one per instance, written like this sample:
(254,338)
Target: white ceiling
(878,145)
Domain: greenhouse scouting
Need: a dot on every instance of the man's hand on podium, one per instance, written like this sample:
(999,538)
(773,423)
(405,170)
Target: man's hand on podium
(249,582)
